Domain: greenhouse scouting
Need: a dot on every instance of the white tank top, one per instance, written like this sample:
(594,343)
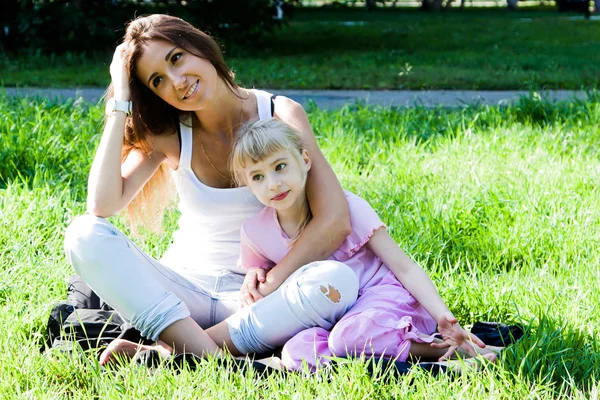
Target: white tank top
(208,236)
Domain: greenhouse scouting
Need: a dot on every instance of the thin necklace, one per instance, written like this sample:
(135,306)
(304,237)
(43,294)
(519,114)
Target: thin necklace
(228,179)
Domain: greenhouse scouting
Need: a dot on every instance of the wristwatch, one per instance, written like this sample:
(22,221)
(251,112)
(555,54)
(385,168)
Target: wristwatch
(113,105)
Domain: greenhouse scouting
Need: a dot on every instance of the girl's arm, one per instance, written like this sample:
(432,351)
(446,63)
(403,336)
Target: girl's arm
(420,286)
(330,224)
(256,265)
(412,276)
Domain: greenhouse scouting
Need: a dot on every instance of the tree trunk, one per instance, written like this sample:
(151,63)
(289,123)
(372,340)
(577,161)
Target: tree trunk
(432,5)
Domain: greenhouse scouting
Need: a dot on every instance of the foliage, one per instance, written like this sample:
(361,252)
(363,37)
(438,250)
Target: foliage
(72,25)
(383,49)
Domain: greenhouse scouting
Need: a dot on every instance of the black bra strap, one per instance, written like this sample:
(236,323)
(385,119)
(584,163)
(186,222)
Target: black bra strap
(273,104)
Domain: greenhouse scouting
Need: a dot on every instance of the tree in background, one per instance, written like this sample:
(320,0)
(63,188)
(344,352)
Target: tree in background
(84,25)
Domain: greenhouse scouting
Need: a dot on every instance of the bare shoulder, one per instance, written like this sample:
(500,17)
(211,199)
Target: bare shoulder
(293,114)
(290,111)
(285,105)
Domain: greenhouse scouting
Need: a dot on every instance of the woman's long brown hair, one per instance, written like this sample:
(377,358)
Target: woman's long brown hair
(151,115)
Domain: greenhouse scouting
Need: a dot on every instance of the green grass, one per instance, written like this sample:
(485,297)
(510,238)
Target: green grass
(387,49)
(499,204)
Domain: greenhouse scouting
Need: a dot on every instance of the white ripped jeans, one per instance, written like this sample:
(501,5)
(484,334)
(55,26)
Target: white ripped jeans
(152,296)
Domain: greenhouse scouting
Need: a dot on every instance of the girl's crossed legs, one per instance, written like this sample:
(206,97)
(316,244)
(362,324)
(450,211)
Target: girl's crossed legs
(386,321)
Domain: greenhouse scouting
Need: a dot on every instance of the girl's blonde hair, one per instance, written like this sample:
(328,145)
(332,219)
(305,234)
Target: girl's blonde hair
(257,141)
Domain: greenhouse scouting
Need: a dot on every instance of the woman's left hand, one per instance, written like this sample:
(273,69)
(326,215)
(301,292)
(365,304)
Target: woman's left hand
(269,285)
(249,292)
(455,337)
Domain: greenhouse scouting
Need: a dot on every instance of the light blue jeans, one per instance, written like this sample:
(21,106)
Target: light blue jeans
(152,296)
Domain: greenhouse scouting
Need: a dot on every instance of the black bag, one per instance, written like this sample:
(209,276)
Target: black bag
(84,318)
(496,333)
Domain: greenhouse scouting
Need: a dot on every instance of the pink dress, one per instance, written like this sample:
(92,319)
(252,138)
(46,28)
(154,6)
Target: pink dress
(385,319)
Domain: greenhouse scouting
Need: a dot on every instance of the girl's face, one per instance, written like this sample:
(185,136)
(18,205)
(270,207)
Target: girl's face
(183,80)
(278,181)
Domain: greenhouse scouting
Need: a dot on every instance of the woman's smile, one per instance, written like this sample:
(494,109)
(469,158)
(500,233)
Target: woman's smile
(192,90)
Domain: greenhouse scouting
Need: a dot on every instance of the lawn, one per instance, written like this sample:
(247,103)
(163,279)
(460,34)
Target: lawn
(384,49)
(498,204)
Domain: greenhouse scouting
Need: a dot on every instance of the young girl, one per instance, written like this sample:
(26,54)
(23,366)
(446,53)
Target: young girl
(398,306)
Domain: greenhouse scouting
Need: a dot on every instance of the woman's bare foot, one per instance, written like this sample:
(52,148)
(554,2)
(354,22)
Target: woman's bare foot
(122,348)
(272,362)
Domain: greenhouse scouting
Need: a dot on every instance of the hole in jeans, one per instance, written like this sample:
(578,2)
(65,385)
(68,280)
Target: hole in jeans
(332,293)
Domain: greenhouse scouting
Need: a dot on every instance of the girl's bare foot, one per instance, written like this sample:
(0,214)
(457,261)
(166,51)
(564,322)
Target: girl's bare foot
(467,364)
(490,353)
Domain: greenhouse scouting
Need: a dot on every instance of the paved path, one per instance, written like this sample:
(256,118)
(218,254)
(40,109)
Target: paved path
(337,98)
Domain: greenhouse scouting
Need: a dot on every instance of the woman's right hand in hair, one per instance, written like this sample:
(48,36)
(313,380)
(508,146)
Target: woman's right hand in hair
(249,293)
(112,182)
(119,74)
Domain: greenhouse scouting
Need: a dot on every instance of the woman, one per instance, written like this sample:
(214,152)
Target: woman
(173,104)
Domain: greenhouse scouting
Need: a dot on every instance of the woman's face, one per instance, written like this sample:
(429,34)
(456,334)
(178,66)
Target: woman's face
(176,76)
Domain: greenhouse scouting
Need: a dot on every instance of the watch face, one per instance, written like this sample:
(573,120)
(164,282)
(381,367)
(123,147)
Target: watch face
(113,105)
